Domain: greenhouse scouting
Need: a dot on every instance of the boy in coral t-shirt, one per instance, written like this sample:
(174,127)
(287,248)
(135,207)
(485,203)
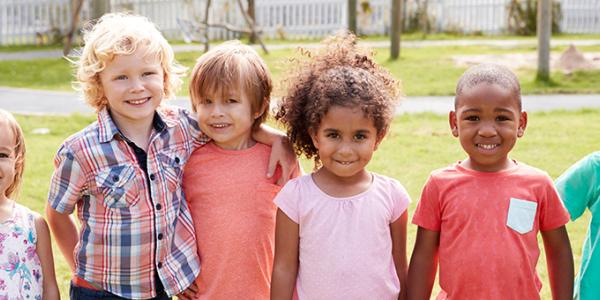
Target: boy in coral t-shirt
(480,217)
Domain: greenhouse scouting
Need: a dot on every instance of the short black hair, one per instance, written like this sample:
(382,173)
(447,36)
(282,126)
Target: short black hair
(490,74)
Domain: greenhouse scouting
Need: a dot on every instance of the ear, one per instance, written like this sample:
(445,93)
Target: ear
(313,137)
(453,123)
(261,111)
(522,124)
(380,137)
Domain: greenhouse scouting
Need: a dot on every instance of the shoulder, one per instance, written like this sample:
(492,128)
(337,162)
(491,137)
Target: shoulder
(86,136)
(530,172)
(389,183)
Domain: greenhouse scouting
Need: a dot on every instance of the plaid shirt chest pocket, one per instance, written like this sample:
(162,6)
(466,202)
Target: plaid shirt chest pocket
(172,166)
(118,186)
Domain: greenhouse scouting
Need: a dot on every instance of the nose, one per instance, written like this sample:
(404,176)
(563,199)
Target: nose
(217,110)
(137,85)
(487,129)
(345,149)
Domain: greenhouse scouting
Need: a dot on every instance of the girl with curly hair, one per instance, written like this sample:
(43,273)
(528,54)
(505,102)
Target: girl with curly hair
(340,231)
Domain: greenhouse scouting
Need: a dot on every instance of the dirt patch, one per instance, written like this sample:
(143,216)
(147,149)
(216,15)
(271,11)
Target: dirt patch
(568,61)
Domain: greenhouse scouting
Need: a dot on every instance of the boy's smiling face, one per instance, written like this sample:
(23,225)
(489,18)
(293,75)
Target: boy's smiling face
(488,120)
(134,87)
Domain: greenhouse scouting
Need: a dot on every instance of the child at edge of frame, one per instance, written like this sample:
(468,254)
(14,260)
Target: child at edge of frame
(26,260)
(479,218)
(123,173)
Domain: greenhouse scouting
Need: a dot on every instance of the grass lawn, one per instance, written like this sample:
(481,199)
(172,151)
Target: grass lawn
(423,71)
(416,145)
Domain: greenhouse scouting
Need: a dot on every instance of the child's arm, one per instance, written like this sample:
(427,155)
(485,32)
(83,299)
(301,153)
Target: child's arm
(44,252)
(64,225)
(285,265)
(423,264)
(282,152)
(398,230)
(560,262)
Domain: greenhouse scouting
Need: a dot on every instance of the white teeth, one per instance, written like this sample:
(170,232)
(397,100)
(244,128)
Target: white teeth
(219,125)
(487,146)
(136,102)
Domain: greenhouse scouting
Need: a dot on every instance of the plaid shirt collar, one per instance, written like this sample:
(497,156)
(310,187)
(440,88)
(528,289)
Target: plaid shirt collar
(107,129)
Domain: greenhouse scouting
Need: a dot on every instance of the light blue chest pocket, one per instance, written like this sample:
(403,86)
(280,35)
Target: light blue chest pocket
(521,215)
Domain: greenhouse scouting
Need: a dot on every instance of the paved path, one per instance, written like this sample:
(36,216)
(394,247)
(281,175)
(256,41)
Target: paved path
(27,55)
(64,103)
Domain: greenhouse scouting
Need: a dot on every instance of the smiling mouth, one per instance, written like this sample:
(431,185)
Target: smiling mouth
(345,163)
(138,101)
(219,125)
(487,146)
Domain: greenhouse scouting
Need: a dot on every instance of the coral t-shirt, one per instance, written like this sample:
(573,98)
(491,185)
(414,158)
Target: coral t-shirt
(231,202)
(488,224)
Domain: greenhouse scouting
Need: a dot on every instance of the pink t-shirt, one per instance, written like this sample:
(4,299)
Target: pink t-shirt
(488,224)
(231,202)
(345,249)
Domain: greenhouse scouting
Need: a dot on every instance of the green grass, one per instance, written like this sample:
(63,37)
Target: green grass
(416,145)
(423,71)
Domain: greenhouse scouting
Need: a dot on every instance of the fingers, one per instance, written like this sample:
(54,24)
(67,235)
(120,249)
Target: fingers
(189,293)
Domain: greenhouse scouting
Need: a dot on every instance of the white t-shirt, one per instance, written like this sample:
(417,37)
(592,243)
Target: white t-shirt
(345,249)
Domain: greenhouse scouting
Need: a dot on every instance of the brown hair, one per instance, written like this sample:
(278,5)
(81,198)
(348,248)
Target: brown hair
(14,187)
(233,65)
(340,73)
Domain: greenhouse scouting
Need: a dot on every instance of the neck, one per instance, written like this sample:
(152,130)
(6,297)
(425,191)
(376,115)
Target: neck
(138,132)
(5,208)
(342,186)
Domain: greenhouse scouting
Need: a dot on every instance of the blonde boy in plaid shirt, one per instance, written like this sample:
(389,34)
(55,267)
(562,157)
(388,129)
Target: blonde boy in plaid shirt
(123,173)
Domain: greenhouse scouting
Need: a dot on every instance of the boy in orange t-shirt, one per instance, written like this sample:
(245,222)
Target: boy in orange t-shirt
(481,216)
(230,199)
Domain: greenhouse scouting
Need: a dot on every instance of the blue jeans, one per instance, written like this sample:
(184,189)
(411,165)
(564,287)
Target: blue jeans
(81,293)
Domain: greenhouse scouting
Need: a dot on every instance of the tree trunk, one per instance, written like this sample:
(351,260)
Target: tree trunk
(352,16)
(252,15)
(544,31)
(99,8)
(396,28)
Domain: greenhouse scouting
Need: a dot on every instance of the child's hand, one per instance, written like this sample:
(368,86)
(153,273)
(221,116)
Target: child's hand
(282,153)
(189,293)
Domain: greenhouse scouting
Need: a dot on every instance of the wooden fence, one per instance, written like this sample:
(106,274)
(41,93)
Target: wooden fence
(38,21)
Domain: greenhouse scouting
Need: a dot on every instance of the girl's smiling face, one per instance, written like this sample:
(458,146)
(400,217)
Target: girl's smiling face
(346,140)
(7,157)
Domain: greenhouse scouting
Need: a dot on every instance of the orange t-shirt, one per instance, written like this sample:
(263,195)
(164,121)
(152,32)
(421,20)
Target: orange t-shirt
(231,202)
(488,225)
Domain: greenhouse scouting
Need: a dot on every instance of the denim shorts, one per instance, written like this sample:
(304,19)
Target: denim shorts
(81,293)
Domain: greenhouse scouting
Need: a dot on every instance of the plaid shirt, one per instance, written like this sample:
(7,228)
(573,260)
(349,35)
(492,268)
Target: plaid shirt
(129,229)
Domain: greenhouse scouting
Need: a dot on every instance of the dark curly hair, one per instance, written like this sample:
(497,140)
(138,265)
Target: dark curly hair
(339,73)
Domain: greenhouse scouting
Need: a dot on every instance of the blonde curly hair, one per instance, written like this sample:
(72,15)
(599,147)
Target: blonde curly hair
(121,34)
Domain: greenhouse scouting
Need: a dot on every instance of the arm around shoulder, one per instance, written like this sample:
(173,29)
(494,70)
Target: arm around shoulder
(282,152)
(423,264)
(44,252)
(560,262)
